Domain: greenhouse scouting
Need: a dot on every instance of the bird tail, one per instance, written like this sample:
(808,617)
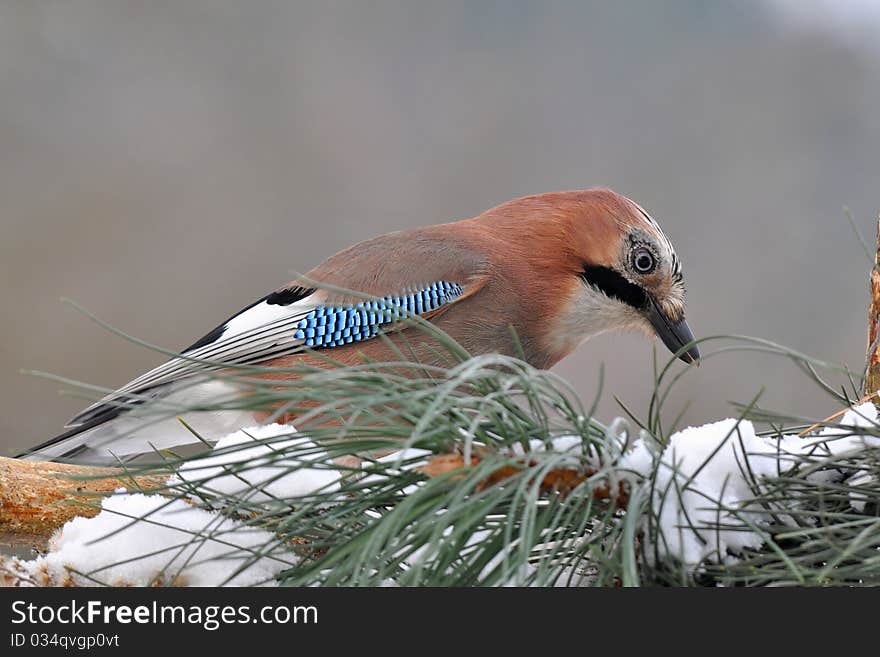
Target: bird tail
(67,447)
(123,435)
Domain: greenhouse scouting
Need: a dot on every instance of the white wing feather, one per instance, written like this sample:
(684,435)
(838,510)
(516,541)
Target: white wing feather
(257,333)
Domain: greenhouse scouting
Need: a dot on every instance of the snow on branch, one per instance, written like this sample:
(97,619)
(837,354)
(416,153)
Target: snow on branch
(709,494)
(707,487)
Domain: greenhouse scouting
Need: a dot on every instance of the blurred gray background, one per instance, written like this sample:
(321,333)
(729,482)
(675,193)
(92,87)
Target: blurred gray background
(166,163)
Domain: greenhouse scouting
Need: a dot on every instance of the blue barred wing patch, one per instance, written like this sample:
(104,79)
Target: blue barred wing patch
(336,326)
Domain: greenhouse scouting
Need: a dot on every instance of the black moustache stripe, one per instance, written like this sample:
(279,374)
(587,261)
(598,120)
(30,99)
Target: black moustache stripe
(613,285)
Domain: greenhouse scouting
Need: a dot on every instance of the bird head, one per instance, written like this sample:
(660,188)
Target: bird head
(606,265)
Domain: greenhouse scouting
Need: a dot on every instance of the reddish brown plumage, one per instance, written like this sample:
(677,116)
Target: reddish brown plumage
(518,262)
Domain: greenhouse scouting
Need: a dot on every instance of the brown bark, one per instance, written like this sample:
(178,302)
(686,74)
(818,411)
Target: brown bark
(37,497)
(871,386)
(872,373)
(558,480)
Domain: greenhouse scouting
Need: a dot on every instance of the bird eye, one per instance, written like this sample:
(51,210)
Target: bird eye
(643,261)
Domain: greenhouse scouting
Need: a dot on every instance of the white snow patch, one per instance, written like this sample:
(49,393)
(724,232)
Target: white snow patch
(700,474)
(707,477)
(845,437)
(569,447)
(560,444)
(262,471)
(144,540)
(406,454)
(838,441)
(639,460)
(404,460)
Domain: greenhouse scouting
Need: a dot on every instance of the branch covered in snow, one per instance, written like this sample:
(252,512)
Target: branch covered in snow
(707,489)
(36,497)
(150,540)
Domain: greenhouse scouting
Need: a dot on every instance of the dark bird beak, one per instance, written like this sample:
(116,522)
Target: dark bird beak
(675,335)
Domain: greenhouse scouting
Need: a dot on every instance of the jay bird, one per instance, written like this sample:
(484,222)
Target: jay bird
(558,268)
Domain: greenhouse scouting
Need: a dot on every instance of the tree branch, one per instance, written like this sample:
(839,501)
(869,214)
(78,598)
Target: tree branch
(37,497)
(872,371)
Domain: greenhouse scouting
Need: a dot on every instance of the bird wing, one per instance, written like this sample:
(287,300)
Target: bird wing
(288,321)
